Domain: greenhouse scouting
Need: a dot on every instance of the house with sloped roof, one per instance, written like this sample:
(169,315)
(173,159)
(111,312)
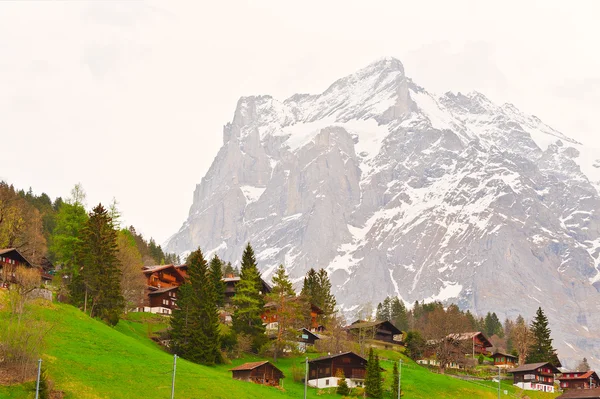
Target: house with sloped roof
(504,360)
(581,394)
(579,380)
(324,372)
(378,330)
(10,259)
(535,376)
(258,372)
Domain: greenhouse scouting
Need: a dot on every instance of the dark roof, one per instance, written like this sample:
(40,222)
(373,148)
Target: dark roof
(367,324)
(581,394)
(504,354)
(470,335)
(578,375)
(237,278)
(336,355)
(162,290)
(306,330)
(252,366)
(533,366)
(13,253)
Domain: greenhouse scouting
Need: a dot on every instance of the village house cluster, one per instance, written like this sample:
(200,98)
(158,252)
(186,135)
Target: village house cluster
(163,282)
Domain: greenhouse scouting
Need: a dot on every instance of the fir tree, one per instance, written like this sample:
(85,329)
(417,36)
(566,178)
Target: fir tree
(327,300)
(395,380)
(541,350)
(204,340)
(248,301)
(342,387)
(309,286)
(398,314)
(99,286)
(373,384)
(181,321)
(216,275)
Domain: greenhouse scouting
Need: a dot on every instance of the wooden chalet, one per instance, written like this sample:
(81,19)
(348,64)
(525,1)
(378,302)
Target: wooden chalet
(230,283)
(579,380)
(535,376)
(270,318)
(504,360)
(10,259)
(581,394)
(323,371)
(476,341)
(306,338)
(382,330)
(259,372)
(162,284)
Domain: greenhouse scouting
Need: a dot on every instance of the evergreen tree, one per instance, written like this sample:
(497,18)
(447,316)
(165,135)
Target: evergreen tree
(309,286)
(373,384)
(99,285)
(228,270)
(204,340)
(327,300)
(216,276)
(342,387)
(399,314)
(583,365)
(541,350)
(395,381)
(181,321)
(66,236)
(249,301)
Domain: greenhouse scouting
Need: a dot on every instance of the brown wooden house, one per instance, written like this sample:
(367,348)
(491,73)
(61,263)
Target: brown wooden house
(259,372)
(323,371)
(306,338)
(231,282)
(475,341)
(162,283)
(581,394)
(10,259)
(504,360)
(535,376)
(579,380)
(377,330)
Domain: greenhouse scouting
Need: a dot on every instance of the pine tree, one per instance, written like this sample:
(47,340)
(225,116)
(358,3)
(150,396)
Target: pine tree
(541,350)
(216,275)
(398,314)
(309,287)
(99,285)
(181,321)
(249,301)
(583,365)
(395,381)
(204,341)
(373,384)
(342,387)
(327,300)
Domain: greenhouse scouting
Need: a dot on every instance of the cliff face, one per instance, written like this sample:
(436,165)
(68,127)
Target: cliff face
(396,191)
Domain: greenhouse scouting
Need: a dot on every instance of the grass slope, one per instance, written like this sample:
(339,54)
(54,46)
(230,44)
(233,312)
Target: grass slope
(90,360)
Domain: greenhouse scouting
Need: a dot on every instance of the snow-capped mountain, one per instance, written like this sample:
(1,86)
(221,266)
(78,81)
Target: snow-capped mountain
(396,191)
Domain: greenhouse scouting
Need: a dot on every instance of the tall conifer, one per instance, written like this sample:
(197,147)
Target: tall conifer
(204,337)
(541,350)
(216,275)
(98,283)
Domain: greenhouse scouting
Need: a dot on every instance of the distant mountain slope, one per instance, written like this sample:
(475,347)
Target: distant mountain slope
(397,191)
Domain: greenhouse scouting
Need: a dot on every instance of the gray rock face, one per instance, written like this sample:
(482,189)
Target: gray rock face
(396,191)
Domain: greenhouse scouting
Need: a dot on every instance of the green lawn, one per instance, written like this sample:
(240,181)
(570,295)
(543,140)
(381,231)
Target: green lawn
(89,360)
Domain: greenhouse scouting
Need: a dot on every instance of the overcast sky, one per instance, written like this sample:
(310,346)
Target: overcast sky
(129,98)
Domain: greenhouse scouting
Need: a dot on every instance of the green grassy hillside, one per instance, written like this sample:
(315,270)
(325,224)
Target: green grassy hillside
(87,359)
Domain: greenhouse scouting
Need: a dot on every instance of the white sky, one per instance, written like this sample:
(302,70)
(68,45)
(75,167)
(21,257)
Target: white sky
(129,98)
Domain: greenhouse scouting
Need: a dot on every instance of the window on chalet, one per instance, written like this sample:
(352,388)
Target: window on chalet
(327,382)
(346,360)
(326,370)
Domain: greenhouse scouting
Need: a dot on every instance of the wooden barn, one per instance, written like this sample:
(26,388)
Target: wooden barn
(535,376)
(379,330)
(504,360)
(579,380)
(258,372)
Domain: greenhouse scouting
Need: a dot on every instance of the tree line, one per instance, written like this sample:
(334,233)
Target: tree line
(430,327)
(197,332)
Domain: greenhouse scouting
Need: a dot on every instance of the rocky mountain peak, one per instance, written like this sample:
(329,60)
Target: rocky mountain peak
(396,191)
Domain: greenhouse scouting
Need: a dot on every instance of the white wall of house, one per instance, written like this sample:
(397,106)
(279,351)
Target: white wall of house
(332,382)
(533,386)
(157,310)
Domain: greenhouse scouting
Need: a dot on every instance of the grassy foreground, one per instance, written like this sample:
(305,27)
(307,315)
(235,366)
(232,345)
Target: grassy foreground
(89,360)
